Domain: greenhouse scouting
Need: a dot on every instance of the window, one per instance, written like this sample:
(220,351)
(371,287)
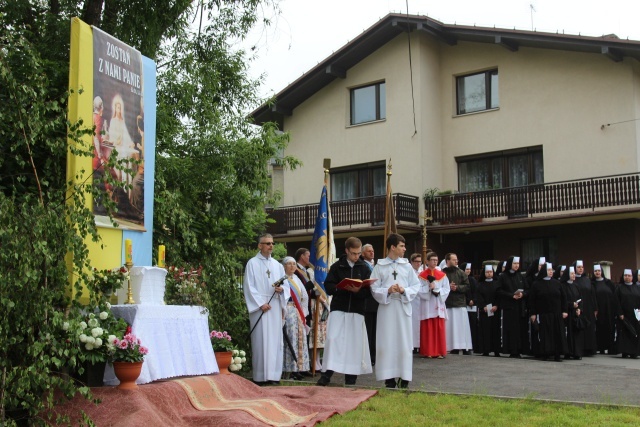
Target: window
(477,92)
(363,180)
(515,168)
(368,103)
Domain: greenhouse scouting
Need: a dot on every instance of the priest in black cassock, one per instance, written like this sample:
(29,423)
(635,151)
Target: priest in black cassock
(547,310)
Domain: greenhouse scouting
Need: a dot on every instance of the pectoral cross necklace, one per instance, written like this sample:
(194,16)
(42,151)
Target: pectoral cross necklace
(395,273)
(268,272)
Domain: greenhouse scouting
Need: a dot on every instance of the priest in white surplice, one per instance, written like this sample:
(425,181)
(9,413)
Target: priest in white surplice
(261,273)
(396,287)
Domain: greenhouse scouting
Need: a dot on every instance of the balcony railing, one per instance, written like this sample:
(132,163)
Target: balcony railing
(362,211)
(521,202)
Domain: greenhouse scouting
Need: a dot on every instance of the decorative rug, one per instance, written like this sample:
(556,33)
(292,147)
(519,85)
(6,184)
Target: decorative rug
(212,400)
(205,395)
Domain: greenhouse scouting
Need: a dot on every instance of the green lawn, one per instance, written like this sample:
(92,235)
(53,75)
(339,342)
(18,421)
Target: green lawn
(395,408)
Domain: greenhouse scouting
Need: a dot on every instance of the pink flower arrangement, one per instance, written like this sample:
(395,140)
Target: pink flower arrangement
(221,341)
(128,349)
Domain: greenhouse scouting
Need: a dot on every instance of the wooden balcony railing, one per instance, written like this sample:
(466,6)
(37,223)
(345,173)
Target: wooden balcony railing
(521,202)
(344,213)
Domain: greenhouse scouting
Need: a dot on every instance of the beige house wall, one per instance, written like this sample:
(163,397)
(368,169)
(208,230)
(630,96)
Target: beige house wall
(552,98)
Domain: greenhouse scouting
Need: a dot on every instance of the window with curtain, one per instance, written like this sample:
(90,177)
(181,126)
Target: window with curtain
(355,181)
(515,168)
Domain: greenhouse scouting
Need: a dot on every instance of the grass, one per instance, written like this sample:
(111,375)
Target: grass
(394,408)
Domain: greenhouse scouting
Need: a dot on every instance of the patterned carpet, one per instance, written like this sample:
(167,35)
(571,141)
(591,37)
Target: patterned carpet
(214,400)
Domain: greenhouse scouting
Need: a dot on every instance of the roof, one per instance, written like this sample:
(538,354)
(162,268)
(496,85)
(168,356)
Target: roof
(387,28)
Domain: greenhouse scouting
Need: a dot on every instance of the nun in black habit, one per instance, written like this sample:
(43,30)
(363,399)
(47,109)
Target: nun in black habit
(628,296)
(607,310)
(512,293)
(489,317)
(575,322)
(547,310)
(589,308)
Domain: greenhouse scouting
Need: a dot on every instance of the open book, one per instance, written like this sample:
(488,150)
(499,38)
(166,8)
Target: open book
(356,282)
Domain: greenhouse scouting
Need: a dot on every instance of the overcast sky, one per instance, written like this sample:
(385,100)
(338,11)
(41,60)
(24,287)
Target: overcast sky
(308,31)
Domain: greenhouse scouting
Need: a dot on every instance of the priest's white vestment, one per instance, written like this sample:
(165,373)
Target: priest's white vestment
(394,338)
(266,339)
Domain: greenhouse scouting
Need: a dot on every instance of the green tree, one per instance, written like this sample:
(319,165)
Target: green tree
(211,176)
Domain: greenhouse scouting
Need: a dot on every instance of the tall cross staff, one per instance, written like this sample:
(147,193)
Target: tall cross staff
(424,238)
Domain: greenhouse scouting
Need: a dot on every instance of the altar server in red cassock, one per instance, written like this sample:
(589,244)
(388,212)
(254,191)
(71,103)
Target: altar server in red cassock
(433,311)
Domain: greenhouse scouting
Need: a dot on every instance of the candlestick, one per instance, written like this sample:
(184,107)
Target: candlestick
(129,290)
(161,255)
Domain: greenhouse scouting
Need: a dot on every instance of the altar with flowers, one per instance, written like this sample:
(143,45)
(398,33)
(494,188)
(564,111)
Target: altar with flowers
(176,336)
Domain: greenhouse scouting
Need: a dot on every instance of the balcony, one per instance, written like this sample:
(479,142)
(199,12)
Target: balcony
(360,212)
(601,194)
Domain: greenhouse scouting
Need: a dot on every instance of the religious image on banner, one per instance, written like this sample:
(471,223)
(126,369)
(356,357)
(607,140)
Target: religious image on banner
(118,117)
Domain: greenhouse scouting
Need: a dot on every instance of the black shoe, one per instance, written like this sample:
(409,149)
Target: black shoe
(296,376)
(557,359)
(485,354)
(454,352)
(496,354)
(323,381)
(305,374)
(403,384)
(271,382)
(515,356)
(350,379)
(466,352)
(390,383)
(577,357)
(634,356)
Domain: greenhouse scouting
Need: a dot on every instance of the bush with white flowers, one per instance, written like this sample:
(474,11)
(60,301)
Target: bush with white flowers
(95,333)
(238,357)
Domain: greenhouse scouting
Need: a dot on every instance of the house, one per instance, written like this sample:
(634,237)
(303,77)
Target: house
(535,135)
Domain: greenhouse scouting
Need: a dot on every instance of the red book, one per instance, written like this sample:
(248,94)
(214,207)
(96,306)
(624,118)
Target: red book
(356,282)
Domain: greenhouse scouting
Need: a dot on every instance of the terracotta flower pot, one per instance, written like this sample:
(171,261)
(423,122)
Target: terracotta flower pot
(223,358)
(127,373)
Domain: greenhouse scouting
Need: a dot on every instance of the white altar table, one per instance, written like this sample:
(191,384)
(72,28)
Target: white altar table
(177,338)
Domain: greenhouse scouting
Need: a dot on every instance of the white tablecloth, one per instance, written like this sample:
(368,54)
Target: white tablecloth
(177,337)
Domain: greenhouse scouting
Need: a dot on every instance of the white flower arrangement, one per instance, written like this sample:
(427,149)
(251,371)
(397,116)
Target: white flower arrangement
(237,359)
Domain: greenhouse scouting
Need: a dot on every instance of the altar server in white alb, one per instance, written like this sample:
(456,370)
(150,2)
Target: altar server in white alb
(396,287)
(269,301)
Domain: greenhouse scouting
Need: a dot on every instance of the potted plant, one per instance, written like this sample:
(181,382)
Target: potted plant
(91,332)
(127,358)
(222,349)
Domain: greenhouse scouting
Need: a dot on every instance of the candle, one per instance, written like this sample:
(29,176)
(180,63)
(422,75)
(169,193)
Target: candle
(128,252)
(161,252)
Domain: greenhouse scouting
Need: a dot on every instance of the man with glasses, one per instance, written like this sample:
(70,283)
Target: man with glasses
(266,304)
(346,349)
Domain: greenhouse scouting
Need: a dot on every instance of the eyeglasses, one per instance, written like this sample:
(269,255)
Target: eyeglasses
(419,261)
(267,243)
